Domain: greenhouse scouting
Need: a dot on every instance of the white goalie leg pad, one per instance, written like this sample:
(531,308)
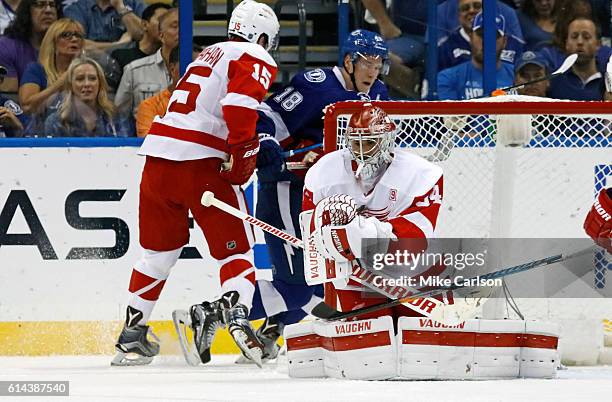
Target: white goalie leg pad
(539,352)
(305,351)
(359,350)
(476,349)
(424,351)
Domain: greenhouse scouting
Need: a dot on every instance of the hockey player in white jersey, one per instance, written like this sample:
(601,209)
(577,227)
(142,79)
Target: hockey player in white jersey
(397,193)
(205,141)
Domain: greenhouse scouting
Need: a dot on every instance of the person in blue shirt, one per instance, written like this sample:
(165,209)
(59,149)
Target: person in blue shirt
(585,80)
(448,22)
(12,118)
(556,53)
(455,48)
(106,22)
(290,119)
(403,27)
(464,81)
(538,19)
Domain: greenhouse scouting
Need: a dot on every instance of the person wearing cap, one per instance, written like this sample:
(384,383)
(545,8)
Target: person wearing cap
(531,67)
(448,21)
(455,48)
(464,81)
(12,118)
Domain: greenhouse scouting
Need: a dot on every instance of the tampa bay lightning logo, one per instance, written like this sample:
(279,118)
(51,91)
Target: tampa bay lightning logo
(316,75)
(364,97)
(13,107)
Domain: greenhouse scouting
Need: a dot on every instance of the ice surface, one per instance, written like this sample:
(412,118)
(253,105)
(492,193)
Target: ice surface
(170,379)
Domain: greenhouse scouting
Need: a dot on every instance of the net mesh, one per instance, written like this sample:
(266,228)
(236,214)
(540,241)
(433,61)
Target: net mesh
(541,188)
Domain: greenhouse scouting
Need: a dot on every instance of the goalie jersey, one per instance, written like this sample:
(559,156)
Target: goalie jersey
(408,194)
(296,112)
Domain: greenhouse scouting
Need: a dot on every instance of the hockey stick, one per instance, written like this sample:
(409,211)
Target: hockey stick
(289,154)
(425,305)
(566,65)
(208,199)
(326,312)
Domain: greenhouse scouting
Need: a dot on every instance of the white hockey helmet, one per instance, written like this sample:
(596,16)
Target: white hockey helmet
(251,19)
(370,137)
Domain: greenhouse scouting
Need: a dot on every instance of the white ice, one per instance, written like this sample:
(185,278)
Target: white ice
(170,379)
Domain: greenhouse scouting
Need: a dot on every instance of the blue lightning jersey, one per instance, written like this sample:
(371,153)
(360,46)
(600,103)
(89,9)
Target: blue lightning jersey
(296,111)
(464,81)
(455,49)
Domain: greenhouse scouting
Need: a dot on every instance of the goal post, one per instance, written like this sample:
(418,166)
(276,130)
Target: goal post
(514,167)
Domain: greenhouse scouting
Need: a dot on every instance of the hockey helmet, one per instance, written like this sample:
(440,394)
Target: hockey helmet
(370,137)
(251,19)
(361,43)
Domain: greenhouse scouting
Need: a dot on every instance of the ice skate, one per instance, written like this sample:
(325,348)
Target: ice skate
(268,334)
(237,319)
(203,320)
(133,347)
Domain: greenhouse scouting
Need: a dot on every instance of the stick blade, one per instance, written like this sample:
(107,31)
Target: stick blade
(567,63)
(325,312)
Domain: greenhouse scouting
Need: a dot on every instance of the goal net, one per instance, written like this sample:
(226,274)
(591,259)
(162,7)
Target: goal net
(515,167)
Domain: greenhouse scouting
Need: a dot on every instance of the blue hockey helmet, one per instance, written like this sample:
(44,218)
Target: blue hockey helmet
(366,43)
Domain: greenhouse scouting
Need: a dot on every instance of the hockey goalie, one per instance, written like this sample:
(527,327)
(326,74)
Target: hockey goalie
(370,190)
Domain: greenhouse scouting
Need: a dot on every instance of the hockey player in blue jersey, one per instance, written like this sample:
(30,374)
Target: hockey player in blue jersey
(290,119)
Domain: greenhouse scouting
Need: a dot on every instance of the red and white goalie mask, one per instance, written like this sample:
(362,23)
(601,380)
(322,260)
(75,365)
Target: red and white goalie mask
(370,137)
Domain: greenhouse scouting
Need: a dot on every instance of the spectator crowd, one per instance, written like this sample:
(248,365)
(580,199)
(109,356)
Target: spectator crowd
(107,67)
(82,67)
(534,37)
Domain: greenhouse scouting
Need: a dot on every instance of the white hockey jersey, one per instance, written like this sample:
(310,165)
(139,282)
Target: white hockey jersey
(214,103)
(408,195)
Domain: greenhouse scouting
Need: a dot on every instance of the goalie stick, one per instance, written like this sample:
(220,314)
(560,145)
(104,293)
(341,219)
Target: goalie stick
(326,312)
(434,309)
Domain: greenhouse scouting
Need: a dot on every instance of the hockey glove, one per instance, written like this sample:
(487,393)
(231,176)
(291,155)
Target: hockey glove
(243,157)
(345,242)
(270,160)
(598,222)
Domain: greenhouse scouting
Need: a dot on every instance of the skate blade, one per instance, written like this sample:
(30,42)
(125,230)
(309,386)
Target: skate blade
(253,354)
(130,359)
(182,321)
(245,360)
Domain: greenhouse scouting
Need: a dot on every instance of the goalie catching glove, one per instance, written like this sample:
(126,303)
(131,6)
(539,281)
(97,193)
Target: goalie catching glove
(598,222)
(241,165)
(338,230)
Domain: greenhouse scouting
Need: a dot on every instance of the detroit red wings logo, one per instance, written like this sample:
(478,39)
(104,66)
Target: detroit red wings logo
(380,214)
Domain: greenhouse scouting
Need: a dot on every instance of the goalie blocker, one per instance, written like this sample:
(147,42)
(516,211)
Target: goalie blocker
(422,349)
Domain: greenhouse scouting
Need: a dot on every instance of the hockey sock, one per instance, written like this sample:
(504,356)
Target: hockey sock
(239,275)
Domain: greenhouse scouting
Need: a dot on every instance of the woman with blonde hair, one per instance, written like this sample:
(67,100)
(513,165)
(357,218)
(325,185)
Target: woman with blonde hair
(85,110)
(41,80)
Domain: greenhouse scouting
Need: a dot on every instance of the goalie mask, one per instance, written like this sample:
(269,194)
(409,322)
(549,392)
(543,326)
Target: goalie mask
(370,137)
(251,19)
